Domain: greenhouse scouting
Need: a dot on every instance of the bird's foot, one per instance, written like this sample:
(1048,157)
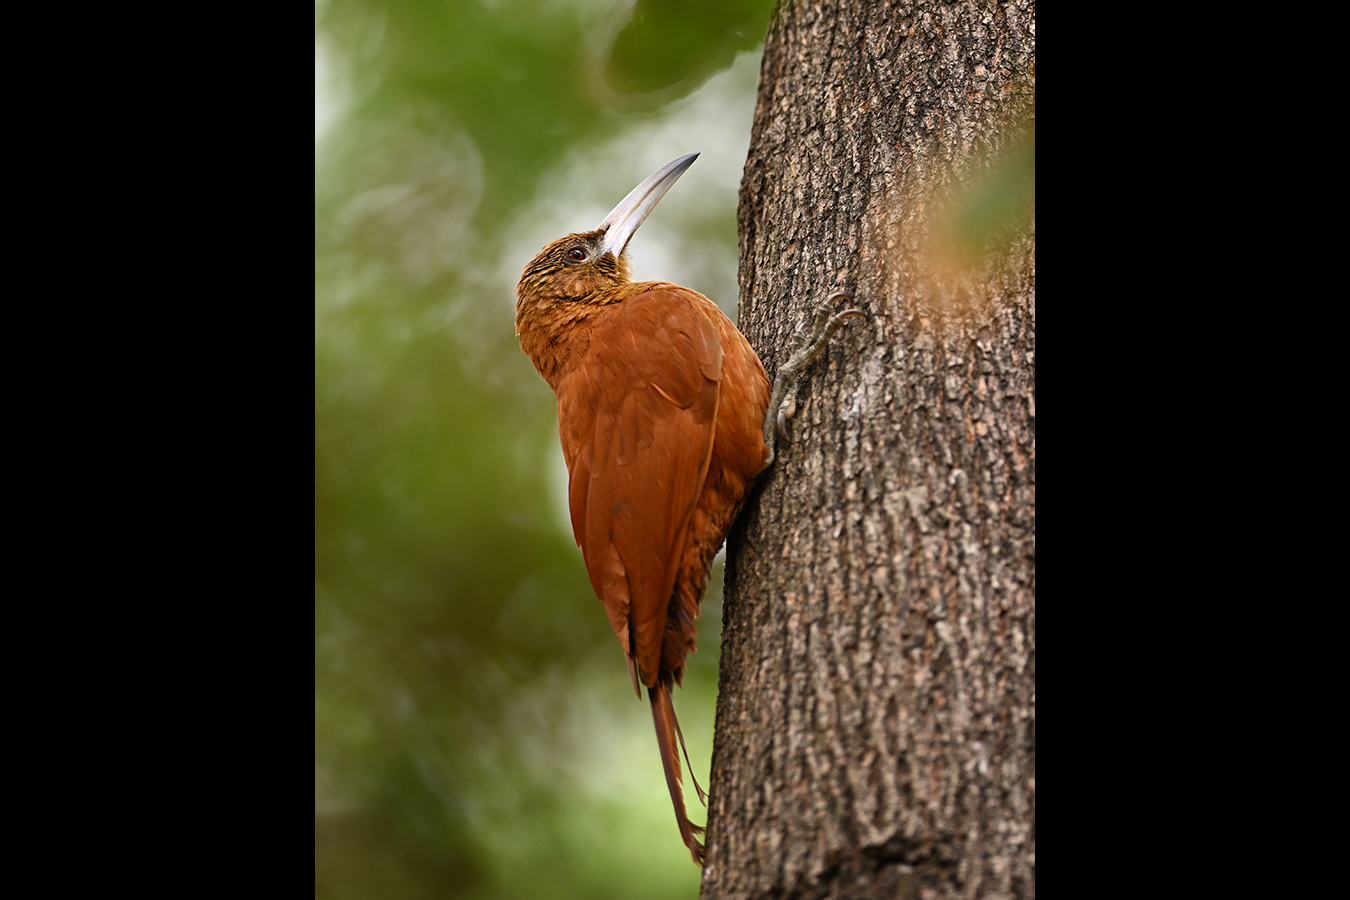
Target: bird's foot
(809,340)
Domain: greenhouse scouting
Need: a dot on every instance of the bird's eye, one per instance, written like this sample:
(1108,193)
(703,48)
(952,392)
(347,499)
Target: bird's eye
(577,254)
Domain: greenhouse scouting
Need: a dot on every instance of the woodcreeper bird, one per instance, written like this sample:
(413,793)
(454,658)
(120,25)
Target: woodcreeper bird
(666,419)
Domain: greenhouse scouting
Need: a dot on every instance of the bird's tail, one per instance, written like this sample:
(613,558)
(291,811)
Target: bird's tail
(667,733)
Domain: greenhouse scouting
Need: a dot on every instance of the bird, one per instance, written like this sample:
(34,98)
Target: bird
(666,418)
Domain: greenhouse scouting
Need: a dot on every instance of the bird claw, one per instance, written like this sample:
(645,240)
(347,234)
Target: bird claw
(808,341)
(786,410)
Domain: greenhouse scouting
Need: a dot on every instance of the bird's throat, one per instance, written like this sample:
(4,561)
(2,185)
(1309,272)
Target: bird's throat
(550,333)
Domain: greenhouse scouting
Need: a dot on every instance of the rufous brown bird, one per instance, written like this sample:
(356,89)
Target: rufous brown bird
(664,415)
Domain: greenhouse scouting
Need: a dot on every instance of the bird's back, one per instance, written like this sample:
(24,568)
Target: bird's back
(659,416)
(738,456)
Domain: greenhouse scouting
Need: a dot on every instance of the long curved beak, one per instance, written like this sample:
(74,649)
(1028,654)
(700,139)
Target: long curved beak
(623,220)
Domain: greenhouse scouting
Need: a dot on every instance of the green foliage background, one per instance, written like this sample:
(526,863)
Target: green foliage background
(475,731)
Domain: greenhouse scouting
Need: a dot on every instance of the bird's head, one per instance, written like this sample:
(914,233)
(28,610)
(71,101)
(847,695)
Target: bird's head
(581,267)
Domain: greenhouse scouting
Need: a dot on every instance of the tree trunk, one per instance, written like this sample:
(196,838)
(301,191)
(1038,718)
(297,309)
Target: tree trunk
(876,718)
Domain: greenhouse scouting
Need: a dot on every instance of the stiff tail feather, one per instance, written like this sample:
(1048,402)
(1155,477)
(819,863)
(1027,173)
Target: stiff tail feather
(667,733)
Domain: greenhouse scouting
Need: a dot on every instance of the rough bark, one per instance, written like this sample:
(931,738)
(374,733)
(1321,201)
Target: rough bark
(876,719)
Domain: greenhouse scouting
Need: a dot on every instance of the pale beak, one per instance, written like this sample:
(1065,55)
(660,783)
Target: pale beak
(623,221)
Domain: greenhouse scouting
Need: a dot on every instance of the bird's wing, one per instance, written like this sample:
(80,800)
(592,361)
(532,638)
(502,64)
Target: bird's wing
(636,413)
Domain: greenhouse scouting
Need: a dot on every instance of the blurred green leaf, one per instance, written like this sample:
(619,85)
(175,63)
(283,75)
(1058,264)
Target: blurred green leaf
(666,43)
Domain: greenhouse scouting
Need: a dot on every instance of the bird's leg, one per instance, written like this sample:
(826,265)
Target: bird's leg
(809,340)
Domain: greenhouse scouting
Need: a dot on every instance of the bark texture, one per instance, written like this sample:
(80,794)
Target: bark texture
(876,719)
